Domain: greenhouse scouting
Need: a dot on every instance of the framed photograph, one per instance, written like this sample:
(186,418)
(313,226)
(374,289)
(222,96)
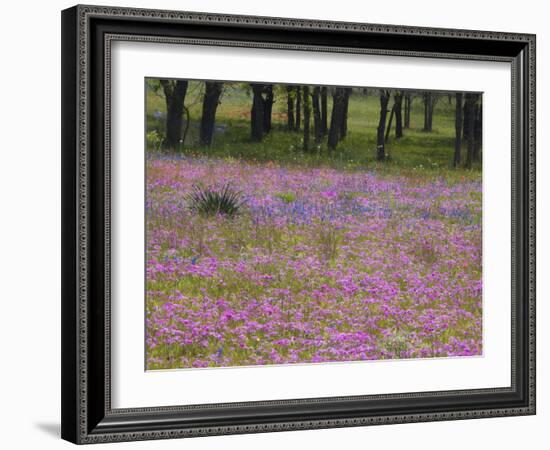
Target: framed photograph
(280,224)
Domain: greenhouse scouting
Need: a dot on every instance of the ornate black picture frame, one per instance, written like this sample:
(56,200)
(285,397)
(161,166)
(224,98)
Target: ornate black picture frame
(87,34)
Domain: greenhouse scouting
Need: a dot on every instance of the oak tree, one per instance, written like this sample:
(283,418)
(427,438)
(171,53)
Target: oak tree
(211,100)
(174,94)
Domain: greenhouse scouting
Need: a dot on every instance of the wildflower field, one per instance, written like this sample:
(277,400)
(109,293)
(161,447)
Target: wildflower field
(320,264)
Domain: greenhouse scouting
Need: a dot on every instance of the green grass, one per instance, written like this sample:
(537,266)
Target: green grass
(417,149)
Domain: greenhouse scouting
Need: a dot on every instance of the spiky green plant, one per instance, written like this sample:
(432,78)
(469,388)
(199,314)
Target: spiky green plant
(208,201)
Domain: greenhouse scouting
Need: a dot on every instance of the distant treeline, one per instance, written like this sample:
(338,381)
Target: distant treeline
(307,111)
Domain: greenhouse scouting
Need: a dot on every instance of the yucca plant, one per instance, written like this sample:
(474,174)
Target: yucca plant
(209,201)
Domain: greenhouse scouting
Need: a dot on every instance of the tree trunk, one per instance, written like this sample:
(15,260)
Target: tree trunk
(290,108)
(210,103)
(428,111)
(187,122)
(398,102)
(387,138)
(431,112)
(306,117)
(380,145)
(298,108)
(425,99)
(174,94)
(338,106)
(408,102)
(458,129)
(344,124)
(268,107)
(317,125)
(324,111)
(470,104)
(478,131)
(257,113)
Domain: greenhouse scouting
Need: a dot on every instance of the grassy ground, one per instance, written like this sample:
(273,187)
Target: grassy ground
(320,265)
(417,149)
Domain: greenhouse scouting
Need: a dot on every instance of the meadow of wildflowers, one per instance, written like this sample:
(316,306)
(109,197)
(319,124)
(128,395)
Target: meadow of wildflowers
(320,265)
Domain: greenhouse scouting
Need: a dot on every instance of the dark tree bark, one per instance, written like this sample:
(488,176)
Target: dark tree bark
(337,117)
(210,103)
(388,131)
(428,111)
(290,108)
(187,122)
(470,105)
(324,111)
(425,97)
(380,145)
(298,108)
(433,99)
(174,94)
(317,125)
(458,129)
(408,104)
(268,107)
(344,124)
(398,102)
(478,129)
(257,113)
(307,114)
